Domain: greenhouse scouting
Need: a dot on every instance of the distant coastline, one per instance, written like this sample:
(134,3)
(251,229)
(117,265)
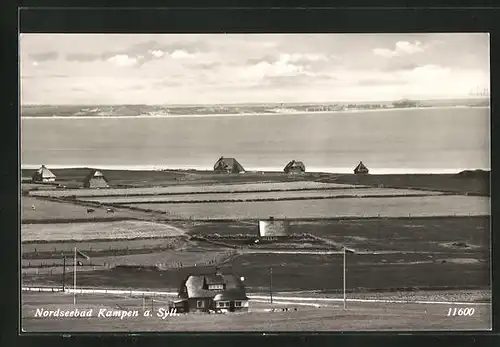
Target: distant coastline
(284,113)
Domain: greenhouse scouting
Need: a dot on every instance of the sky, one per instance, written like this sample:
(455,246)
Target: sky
(62,69)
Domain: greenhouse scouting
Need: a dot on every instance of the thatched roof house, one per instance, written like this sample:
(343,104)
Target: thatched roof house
(229,165)
(361,169)
(43,175)
(95,179)
(295,167)
(217,291)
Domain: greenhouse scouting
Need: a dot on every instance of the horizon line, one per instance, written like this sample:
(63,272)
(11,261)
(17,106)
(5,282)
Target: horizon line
(473,97)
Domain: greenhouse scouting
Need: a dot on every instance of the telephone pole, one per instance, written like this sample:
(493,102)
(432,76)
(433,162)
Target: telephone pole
(271,284)
(345,301)
(64,274)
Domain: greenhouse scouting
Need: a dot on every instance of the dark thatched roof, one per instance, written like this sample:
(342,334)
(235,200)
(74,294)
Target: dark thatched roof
(228,165)
(196,286)
(295,166)
(361,168)
(94,174)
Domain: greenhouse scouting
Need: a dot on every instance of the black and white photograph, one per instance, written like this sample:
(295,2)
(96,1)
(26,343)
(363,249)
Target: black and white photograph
(255,182)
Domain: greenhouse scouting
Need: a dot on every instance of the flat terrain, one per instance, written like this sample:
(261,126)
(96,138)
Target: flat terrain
(190,189)
(453,235)
(136,178)
(326,317)
(307,272)
(46,210)
(93,247)
(97,231)
(411,252)
(256,196)
(154,248)
(467,182)
(161,259)
(448,205)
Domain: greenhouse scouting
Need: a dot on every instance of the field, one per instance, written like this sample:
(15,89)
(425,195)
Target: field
(162,259)
(471,182)
(136,178)
(327,317)
(455,235)
(443,234)
(424,253)
(386,271)
(39,249)
(395,250)
(97,231)
(46,210)
(256,196)
(185,189)
(448,205)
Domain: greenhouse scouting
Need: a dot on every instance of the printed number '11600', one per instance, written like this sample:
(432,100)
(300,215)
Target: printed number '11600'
(468,311)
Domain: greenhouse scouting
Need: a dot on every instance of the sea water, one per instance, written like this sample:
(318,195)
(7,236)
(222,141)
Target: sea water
(435,140)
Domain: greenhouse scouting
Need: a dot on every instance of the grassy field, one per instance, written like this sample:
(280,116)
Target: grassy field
(475,183)
(96,231)
(54,249)
(189,189)
(429,252)
(244,196)
(135,178)
(460,234)
(328,317)
(477,296)
(163,259)
(448,205)
(293,272)
(53,210)
(468,182)
(470,234)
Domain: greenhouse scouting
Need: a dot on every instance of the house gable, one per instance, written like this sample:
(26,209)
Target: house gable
(361,168)
(230,165)
(95,179)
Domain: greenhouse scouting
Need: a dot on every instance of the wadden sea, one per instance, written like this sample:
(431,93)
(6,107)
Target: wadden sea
(438,140)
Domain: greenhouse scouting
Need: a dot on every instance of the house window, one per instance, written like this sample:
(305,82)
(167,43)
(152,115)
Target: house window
(237,303)
(200,304)
(222,304)
(216,287)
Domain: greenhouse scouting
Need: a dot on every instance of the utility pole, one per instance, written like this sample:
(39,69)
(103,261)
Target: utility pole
(345,303)
(74,277)
(271,284)
(64,274)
